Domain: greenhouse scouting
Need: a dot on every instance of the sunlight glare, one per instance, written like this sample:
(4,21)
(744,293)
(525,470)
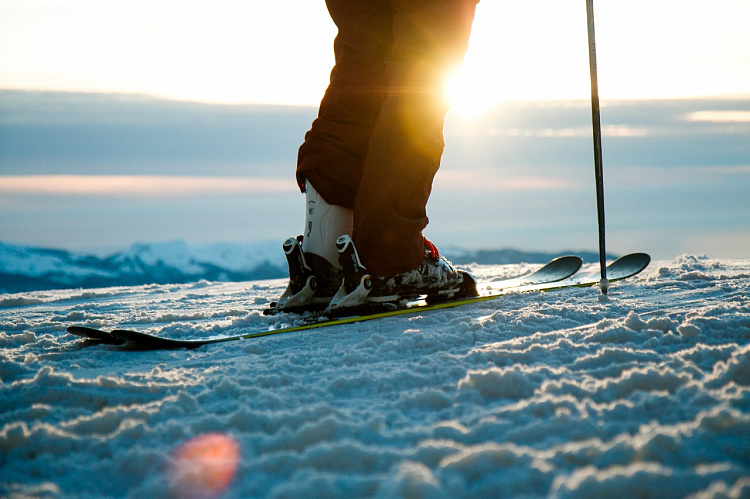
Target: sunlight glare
(464,96)
(281,52)
(519,51)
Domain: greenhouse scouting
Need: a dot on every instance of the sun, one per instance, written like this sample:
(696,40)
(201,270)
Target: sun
(464,97)
(516,53)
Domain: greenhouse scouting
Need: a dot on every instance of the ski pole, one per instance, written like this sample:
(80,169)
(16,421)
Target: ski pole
(596,122)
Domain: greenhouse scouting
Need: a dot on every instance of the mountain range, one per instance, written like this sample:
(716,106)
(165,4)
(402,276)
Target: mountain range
(27,268)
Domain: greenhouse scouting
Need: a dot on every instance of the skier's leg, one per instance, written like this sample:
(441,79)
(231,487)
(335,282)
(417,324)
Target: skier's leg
(329,165)
(429,37)
(334,149)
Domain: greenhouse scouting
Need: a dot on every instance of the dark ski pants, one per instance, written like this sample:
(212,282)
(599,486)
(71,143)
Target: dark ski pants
(378,139)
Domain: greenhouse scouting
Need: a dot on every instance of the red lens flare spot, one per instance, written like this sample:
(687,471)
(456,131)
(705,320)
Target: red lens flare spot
(203,466)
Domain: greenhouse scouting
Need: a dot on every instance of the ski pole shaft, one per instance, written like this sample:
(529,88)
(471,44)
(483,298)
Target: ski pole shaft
(596,122)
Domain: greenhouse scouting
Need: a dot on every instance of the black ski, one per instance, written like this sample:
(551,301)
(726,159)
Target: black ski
(555,275)
(556,270)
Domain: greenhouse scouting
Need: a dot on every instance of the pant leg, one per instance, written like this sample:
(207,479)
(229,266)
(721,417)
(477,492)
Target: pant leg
(406,145)
(333,153)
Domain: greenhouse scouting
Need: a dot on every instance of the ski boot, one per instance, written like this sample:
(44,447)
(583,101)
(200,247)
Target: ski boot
(434,278)
(312,281)
(314,275)
(356,283)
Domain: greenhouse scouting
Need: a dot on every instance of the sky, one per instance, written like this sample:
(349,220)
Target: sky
(174,149)
(253,51)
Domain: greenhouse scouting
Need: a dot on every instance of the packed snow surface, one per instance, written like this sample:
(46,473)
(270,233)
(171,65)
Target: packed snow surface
(645,393)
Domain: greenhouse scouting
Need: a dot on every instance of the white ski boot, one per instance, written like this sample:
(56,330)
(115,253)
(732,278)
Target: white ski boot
(314,270)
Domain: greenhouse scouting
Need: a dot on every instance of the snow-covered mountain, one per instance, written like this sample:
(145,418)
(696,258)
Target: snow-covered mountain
(26,268)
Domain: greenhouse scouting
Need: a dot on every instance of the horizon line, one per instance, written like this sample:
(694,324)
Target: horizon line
(165,97)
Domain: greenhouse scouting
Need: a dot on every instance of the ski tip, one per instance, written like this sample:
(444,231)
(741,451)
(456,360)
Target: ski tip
(628,266)
(557,269)
(641,260)
(91,334)
(636,257)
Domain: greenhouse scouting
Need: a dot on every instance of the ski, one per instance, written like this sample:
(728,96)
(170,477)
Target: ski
(555,270)
(557,274)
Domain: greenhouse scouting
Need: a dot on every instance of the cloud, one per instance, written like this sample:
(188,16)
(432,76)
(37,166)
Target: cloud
(726,116)
(477,182)
(139,186)
(620,130)
(95,134)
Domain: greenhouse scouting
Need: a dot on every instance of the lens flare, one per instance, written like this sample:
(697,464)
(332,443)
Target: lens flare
(203,466)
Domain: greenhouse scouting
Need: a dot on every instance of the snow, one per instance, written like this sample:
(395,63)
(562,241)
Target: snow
(644,393)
